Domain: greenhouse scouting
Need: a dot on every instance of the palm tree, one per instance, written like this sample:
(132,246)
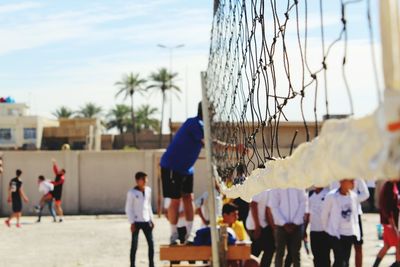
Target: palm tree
(163,82)
(119,117)
(129,85)
(63,112)
(144,120)
(89,110)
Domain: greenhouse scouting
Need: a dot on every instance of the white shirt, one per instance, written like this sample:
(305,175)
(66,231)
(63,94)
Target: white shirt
(45,187)
(371,183)
(138,205)
(262,200)
(340,214)
(360,188)
(288,205)
(315,202)
(345,225)
(202,203)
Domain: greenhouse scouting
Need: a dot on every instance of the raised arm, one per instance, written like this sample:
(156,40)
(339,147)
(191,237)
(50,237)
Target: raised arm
(55,167)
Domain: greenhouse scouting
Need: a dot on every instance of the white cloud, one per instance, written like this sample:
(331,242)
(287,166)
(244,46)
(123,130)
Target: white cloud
(11,8)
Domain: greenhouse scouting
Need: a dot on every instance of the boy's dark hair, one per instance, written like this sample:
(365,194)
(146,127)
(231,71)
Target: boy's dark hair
(41,178)
(18,172)
(200,111)
(240,169)
(140,175)
(229,208)
(63,170)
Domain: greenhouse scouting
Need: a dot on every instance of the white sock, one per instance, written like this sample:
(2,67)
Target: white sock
(189,226)
(174,229)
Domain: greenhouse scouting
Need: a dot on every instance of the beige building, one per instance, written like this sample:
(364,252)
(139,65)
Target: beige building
(19,130)
(79,133)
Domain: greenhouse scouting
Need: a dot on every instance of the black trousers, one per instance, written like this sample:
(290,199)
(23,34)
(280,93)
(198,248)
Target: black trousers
(341,249)
(148,233)
(320,248)
(292,241)
(265,243)
(268,246)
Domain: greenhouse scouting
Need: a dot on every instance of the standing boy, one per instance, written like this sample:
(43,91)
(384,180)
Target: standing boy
(319,238)
(15,196)
(140,215)
(177,171)
(340,220)
(260,229)
(288,208)
(58,186)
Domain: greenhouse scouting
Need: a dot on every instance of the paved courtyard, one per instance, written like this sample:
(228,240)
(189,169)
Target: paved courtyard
(105,241)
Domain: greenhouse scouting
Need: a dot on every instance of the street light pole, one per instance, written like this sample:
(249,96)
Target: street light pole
(170,50)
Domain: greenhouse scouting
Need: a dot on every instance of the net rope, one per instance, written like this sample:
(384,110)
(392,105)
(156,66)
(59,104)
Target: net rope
(260,70)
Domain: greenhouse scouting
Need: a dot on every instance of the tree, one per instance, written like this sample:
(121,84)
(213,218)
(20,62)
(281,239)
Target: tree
(129,85)
(89,110)
(163,81)
(63,112)
(118,117)
(144,118)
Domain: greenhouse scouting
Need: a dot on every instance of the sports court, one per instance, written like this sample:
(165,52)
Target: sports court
(105,241)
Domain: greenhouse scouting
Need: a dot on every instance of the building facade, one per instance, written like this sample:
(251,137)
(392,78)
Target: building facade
(19,130)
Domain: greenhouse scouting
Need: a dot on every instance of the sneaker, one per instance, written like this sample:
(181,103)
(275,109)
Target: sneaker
(174,239)
(189,239)
(60,220)
(38,221)
(7,222)
(18,225)
(37,208)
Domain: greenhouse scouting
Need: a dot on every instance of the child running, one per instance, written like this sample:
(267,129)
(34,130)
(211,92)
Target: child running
(15,196)
(45,187)
(140,215)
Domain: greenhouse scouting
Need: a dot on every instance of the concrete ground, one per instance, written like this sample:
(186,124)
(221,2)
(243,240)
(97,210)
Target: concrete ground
(105,241)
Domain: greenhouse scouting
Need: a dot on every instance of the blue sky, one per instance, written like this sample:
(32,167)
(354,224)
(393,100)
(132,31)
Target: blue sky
(57,52)
(70,52)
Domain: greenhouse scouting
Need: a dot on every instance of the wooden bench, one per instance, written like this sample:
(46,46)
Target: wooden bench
(201,253)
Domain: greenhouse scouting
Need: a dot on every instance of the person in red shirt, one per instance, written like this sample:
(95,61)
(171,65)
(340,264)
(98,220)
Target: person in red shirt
(389,201)
(58,185)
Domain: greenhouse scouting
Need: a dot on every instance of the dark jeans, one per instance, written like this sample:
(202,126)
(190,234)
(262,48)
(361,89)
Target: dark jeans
(265,243)
(320,249)
(50,205)
(341,249)
(292,241)
(148,233)
(268,246)
(371,199)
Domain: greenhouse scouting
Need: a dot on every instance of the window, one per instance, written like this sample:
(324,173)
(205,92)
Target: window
(5,134)
(29,133)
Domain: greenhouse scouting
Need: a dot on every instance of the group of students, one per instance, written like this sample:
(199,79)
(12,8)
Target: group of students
(51,195)
(278,219)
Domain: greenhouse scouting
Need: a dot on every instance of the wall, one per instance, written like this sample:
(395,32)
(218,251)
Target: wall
(96,182)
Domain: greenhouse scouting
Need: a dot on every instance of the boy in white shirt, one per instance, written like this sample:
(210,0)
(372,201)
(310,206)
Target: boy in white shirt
(260,229)
(319,238)
(341,221)
(361,189)
(45,187)
(288,208)
(140,215)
